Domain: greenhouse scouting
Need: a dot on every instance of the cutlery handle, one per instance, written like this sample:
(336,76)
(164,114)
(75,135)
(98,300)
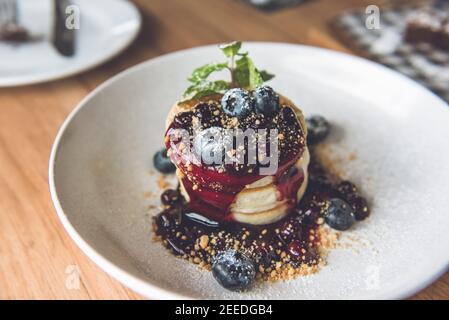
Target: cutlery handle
(63,37)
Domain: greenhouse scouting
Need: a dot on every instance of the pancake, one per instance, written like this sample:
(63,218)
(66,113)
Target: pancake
(263,205)
(188,105)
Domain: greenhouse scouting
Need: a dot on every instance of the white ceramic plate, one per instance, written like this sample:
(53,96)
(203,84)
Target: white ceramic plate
(107,27)
(397,129)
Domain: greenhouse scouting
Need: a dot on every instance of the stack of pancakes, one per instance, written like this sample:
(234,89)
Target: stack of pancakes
(259,202)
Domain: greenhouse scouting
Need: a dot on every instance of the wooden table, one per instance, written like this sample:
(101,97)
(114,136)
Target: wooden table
(35,251)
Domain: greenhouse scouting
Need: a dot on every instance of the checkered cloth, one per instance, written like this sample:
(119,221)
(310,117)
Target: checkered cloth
(423,62)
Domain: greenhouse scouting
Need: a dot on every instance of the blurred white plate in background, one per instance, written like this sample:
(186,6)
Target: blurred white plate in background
(397,129)
(107,27)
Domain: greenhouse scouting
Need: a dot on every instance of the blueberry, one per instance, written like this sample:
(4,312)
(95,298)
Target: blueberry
(266,101)
(170,197)
(318,129)
(237,103)
(210,145)
(162,162)
(296,248)
(312,212)
(346,189)
(233,270)
(289,230)
(360,206)
(264,254)
(340,215)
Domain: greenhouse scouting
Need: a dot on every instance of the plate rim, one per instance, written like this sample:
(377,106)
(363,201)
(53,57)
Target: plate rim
(146,288)
(19,81)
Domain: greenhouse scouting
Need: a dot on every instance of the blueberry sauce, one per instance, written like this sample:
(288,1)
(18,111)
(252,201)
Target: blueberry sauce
(280,250)
(203,227)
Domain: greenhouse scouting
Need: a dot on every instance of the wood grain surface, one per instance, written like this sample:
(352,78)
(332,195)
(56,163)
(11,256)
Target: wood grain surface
(36,254)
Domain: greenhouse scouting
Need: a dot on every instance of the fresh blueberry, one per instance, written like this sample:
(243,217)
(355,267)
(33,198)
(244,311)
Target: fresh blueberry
(237,103)
(318,129)
(210,145)
(266,101)
(162,162)
(233,270)
(340,215)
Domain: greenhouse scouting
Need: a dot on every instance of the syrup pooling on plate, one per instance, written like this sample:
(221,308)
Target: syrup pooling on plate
(285,249)
(213,188)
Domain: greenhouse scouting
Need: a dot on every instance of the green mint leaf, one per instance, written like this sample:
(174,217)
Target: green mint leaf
(246,75)
(205,88)
(231,49)
(202,73)
(243,74)
(255,79)
(266,76)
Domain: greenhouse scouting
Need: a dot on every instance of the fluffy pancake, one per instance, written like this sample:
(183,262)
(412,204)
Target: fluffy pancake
(263,205)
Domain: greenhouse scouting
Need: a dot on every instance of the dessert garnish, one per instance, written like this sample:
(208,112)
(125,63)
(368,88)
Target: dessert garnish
(318,129)
(253,200)
(233,270)
(162,163)
(242,70)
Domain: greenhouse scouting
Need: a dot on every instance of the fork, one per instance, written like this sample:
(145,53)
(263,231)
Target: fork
(8,12)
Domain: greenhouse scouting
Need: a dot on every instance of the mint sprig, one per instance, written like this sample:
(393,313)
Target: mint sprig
(243,74)
(266,76)
(205,88)
(202,73)
(231,49)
